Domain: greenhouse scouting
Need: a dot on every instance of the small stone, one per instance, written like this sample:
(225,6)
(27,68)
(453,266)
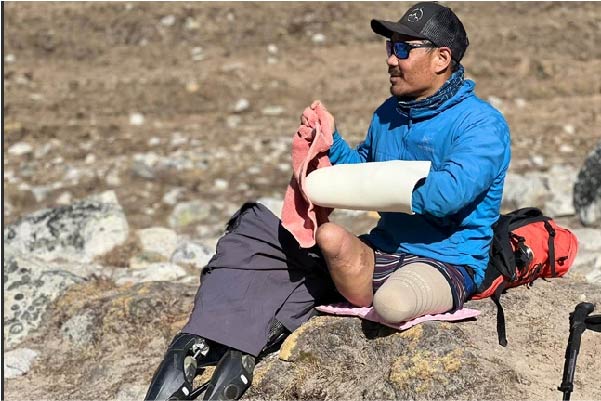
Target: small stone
(284,167)
(10,58)
(197,53)
(221,184)
(565,148)
(233,121)
(20,149)
(112,178)
(272,110)
(36,97)
(40,193)
(178,139)
(18,362)
(537,160)
(136,119)
(273,204)
(154,141)
(520,103)
(189,212)
(318,38)
(168,20)
(496,102)
(192,253)
(157,240)
(569,129)
(241,105)
(191,24)
(272,49)
(171,197)
(272,60)
(152,272)
(192,87)
(231,17)
(90,158)
(65,198)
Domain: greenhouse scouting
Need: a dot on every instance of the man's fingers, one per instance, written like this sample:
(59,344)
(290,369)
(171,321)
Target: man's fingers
(304,120)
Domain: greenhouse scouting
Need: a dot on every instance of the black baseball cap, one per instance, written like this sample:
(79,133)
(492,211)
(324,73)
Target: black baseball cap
(431,21)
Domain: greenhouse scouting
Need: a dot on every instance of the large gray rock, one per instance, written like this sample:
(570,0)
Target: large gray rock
(30,285)
(587,190)
(550,191)
(588,259)
(77,232)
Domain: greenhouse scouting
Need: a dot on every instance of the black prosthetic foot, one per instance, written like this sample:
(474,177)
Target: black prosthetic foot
(233,375)
(185,358)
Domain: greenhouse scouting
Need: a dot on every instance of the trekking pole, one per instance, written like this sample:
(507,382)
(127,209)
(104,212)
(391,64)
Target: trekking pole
(577,327)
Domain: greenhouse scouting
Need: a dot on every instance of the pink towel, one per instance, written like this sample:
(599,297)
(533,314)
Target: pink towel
(309,152)
(346,309)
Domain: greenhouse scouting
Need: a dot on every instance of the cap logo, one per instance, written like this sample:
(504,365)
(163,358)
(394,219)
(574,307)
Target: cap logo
(415,15)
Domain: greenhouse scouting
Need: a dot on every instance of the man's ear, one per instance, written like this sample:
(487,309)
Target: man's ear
(442,60)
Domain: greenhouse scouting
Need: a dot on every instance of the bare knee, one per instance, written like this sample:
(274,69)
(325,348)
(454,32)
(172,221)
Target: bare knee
(329,238)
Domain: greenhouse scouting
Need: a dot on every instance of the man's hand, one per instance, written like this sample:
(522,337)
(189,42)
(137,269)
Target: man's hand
(305,120)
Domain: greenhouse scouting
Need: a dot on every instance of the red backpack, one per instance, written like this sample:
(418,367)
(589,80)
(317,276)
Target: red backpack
(526,245)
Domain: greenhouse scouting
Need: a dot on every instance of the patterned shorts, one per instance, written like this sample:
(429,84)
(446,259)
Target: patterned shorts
(461,282)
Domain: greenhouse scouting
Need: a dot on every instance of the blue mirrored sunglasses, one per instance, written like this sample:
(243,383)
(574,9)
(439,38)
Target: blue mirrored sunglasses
(401,49)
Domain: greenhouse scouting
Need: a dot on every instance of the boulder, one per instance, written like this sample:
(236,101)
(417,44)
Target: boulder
(549,191)
(587,190)
(77,232)
(30,285)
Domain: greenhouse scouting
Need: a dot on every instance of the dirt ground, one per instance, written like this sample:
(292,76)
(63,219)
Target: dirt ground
(75,72)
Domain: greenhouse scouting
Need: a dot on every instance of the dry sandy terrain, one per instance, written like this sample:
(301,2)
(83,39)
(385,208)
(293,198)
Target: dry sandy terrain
(74,73)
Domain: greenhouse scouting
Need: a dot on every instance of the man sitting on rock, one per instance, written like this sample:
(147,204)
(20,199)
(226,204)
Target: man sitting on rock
(261,285)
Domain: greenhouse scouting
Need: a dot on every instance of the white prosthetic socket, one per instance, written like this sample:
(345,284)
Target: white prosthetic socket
(380,186)
(415,290)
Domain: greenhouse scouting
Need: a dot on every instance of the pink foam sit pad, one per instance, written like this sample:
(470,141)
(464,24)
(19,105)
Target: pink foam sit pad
(346,309)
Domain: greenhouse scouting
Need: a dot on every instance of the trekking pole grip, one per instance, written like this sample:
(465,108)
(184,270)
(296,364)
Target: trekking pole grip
(577,327)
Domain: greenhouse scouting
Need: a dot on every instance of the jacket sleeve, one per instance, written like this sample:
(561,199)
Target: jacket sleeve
(476,158)
(341,153)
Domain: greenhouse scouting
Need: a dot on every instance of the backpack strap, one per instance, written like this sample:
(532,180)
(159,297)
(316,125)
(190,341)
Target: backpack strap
(496,297)
(551,244)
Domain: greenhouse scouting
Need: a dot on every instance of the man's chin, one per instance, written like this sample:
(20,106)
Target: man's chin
(398,92)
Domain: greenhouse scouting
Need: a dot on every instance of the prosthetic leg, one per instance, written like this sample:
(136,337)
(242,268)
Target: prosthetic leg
(187,357)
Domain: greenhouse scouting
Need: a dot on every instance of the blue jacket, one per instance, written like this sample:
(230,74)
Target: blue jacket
(468,143)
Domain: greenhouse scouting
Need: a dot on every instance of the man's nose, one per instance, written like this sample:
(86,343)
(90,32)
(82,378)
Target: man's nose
(392,60)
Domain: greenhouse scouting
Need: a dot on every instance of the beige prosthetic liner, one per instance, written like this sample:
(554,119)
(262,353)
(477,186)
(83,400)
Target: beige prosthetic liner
(380,186)
(416,289)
